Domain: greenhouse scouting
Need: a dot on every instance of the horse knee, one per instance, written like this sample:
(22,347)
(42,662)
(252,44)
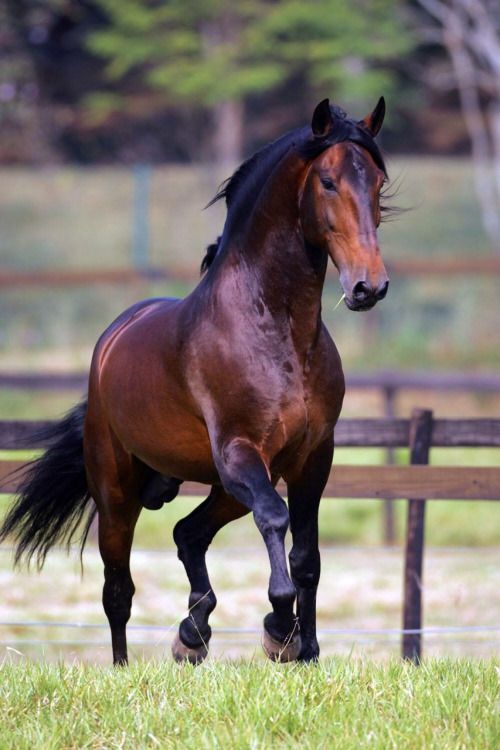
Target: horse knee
(204,602)
(305,568)
(273,519)
(283,596)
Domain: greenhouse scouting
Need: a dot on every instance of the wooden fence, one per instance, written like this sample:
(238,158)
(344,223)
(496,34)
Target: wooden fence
(416,482)
(141,271)
(389,383)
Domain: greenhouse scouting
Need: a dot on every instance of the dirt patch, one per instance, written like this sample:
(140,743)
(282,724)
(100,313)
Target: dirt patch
(360,591)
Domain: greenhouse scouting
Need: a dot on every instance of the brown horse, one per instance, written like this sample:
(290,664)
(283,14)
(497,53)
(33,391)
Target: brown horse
(237,385)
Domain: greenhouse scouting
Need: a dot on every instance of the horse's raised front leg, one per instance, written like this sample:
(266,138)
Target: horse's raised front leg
(193,535)
(245,476)
(304,495)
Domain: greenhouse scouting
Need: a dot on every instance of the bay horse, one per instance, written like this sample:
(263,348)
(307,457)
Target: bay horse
(235,386)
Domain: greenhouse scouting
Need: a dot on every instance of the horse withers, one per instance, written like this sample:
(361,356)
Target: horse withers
(236,386)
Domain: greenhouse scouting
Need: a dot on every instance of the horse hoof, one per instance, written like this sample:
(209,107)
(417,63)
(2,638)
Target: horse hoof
(281,652)
(183,653)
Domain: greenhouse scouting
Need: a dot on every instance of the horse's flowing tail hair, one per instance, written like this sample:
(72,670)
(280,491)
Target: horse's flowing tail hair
(53,498)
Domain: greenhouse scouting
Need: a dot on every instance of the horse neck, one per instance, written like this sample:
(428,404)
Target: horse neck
(269,262)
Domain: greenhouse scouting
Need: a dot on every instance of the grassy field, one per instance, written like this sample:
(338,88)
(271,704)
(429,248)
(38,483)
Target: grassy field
(339,704)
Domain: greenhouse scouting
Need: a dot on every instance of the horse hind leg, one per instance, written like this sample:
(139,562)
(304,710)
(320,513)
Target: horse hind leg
(115,487)
(116,530)
(192,536)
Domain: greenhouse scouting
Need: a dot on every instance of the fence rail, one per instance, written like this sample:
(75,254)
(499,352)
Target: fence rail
(142,271)
(418,482)
(393,380)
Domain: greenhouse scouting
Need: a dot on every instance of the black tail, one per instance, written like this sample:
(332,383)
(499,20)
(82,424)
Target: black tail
(53,498)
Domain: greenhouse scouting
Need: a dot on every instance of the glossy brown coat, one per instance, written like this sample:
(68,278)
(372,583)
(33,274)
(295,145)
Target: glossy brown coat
(237,385)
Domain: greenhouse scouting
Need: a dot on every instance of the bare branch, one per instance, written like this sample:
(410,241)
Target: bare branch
(471,35)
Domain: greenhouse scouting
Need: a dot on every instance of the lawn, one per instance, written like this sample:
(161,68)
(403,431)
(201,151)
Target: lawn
(342,703)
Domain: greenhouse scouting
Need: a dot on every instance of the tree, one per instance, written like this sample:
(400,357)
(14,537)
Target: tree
(214,54)
(469,31)
(45,72)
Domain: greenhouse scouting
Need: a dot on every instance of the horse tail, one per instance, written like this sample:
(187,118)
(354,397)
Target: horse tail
(53,497)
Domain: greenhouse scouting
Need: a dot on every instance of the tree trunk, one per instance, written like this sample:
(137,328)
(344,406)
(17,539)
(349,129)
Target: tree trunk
(483,151)
(228,133)
(470,36)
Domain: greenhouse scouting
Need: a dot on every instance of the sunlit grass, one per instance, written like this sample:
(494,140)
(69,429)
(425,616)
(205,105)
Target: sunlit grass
(340,703)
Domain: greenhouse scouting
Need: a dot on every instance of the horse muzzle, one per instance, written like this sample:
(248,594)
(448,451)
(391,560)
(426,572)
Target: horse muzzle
(364,296)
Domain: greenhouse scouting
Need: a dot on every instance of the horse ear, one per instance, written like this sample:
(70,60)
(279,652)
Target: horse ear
(322,120)
(373,122)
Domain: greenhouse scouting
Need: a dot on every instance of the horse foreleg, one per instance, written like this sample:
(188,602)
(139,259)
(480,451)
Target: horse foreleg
(245,476)
(304,495)
(192,536)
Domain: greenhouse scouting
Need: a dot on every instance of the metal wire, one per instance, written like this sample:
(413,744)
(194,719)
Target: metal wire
(340,635)
(434,630)
(226,642)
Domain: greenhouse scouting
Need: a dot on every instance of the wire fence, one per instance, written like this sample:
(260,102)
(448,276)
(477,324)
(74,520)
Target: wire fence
(38,637)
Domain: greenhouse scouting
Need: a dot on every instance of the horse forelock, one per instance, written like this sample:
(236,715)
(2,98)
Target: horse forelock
(343,130)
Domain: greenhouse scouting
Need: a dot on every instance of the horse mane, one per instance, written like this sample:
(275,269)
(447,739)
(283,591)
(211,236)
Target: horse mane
(241,190)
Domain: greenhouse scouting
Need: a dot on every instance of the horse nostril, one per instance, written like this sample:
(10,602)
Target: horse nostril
(361,291)
(382,291)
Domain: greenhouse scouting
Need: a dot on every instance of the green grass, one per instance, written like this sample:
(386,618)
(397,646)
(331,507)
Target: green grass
(340,704)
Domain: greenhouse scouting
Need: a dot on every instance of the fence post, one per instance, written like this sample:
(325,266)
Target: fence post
(420,442)
(141,239)
(388,510)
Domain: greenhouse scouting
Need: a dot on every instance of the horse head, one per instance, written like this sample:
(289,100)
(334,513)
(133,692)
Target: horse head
(340,200)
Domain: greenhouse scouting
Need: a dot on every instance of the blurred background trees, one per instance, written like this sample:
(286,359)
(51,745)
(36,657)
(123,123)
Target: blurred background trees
(215,56)
(129,80)
(157,81)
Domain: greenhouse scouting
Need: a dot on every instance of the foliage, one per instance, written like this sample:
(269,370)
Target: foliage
(205,52)
(340,703)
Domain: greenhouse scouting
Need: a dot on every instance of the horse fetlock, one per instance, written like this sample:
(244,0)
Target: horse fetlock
(193,634)
(309,652)
(118,615)
(202,603)
(282,596)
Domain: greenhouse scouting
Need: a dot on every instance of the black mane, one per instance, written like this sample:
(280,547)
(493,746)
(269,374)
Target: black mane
(241,190)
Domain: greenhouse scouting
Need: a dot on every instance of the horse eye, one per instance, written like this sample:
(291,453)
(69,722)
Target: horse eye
(328,184)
